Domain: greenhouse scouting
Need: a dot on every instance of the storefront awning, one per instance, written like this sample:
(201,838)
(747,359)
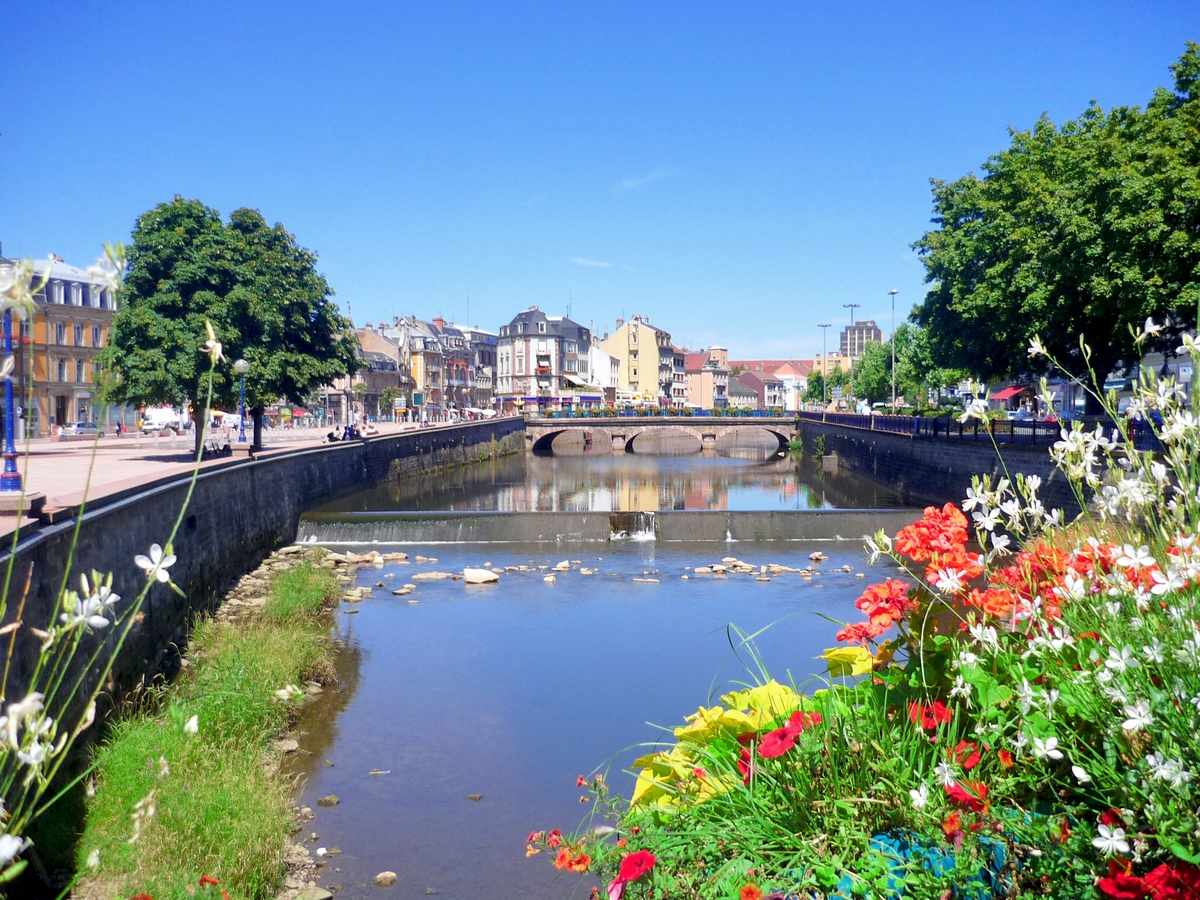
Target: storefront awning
(1008,393)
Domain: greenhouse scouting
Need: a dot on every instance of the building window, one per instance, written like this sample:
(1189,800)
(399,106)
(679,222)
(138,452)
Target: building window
(520,365)
(62,370)
(634,373)
(60,334)
(78,335)
(95,335)
(77,295)
(79,370)
(542,327)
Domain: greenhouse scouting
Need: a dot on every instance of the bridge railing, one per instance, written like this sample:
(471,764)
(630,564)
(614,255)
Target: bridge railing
(1003,431)
(664,414)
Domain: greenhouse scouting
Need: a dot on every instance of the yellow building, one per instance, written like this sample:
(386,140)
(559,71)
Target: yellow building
(830,363)
(646,361)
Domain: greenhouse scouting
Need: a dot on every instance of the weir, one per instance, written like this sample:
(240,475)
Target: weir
(667,526)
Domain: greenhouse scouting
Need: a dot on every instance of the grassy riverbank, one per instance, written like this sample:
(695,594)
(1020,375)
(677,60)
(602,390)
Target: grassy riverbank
(202,759)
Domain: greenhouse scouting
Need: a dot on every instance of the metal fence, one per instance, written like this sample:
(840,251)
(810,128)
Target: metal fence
(1003,431)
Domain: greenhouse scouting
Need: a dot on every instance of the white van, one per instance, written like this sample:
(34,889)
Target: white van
(160,419)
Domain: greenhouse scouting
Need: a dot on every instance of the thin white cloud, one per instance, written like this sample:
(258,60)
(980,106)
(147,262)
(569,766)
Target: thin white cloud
(627,184)
(580,261)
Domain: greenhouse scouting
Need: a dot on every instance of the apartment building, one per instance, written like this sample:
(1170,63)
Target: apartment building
(543,362)
(707,378)
(54,351)
(791,373)
(646,359)
(856,337)
(768,389)
(605,372)
(424,359)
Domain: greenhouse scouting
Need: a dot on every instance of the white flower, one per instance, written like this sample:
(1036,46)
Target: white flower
(192,726)
(156,564)
(1138,558)
(1000,544)
(1120,660)
(17,713)
(10,848)
(945,774)
(1138,716)
(1036,348)
(1152,328)
(212,346)
(1154,651)
(977,410)
(93,860)
(950,581)
(1166,583)
(920,796)
(1111,840)
(986,519)
(1081,774)
(961,689)
(1046,749)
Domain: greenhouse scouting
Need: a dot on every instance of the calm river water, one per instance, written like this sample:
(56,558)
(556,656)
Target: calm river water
(512,690)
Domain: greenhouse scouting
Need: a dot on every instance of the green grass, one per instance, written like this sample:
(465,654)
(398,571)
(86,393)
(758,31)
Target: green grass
(223,810)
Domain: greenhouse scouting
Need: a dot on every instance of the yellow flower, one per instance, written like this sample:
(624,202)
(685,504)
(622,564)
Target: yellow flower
(844,661)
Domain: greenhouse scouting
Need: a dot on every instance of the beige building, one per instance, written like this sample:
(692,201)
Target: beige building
(823,364)
(706,375)
(54,351)
(645,360)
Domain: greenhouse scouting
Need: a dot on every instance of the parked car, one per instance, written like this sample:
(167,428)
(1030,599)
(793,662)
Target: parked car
(88,428)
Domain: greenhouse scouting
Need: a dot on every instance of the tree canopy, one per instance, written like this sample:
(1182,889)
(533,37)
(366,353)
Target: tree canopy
(1078,231)
(253,282)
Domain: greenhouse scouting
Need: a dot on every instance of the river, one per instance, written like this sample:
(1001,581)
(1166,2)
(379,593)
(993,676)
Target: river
(507,692)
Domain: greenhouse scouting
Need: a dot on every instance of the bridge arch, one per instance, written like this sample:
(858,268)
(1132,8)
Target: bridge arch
(686,431)
(544,443)
(782,437)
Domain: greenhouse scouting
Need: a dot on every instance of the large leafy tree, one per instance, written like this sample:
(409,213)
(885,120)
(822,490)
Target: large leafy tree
(253,282)
(1080,231)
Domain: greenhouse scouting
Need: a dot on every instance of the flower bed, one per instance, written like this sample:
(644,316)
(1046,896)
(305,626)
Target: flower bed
(1015,715)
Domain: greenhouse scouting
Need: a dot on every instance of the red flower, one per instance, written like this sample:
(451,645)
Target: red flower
(886,603)
(579,862)
(967,755)
(141,897)
(929,717)
(563,858)
(970,794)
(554,839)
(580,781)
(745,765)
(535,836)
(1006,759)
(939,531)
(1178,882)
(859,633)
(781,740)
(208,879)
(1111,817)
(1121,883)
(635,865)
(750,891)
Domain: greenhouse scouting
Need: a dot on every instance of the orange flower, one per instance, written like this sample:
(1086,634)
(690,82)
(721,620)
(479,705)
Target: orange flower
(860,632)
(750,891)
(952,825)
(1006,759)
(998,602)
(579,862)
(886,603)
(564,857)
(531,850)
(940,531)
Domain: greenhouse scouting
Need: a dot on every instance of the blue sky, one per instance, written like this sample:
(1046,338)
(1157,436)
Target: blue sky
(736,171)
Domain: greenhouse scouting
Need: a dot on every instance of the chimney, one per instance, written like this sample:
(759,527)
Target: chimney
(440,323)
(620,324)
(57,258)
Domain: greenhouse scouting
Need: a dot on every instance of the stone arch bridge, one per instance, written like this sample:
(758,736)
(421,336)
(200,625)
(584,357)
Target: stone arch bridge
(621,433)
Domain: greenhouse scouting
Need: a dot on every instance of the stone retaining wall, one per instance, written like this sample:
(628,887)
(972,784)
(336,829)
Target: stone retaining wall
(239,512)
(932,470)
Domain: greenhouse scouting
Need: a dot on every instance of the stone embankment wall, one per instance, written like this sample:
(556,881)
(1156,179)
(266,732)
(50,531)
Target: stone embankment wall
(239,512)
(931,470)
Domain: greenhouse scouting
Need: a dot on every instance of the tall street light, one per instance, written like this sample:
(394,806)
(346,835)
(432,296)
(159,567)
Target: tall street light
(894,292)
(242,367)
(824,362)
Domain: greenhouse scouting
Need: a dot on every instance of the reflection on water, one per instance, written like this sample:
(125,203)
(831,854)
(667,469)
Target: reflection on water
(743,478)
(509,691)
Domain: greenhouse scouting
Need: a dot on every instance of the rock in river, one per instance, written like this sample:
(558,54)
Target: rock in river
(386,879)
(329,800)
(479,576)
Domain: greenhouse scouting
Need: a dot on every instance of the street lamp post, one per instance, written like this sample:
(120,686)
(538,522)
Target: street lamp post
(894,292)
(824,362)
(10,479)
(241,367)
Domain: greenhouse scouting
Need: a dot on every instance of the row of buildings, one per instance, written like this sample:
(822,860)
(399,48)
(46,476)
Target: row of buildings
(536,360)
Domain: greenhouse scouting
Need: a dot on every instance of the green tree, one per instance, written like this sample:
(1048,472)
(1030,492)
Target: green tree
(253,282)
(1080,231)
(871,376)
(387,400)
(838,377)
